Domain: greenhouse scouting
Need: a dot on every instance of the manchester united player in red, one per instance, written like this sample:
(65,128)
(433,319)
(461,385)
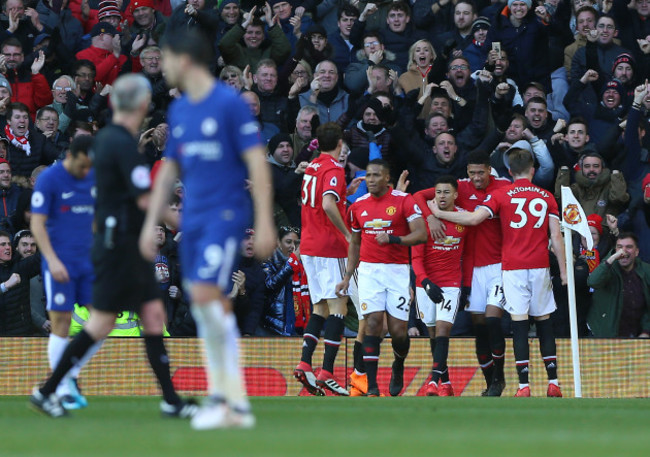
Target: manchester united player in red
(528,214)
(437,266)
(482,256)
(323,250)
(384,223)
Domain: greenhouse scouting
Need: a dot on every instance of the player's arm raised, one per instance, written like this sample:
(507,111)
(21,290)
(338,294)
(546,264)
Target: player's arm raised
(57,269)
(262,192)
(354,250)
(461,217)
(332,211)
(558,246)
(157,201)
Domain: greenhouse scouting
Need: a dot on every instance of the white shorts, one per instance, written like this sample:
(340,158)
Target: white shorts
(528,292)
(487,288)
(323,274)
(353,292)
(446,310)
(384,287)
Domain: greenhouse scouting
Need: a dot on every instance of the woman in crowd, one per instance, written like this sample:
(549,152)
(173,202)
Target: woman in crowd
(286,310)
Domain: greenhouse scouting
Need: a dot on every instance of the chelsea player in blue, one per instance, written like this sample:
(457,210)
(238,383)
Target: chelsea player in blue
(214,146)
(62,216)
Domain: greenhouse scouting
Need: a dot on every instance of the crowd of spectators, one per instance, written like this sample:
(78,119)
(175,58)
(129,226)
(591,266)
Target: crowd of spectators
(427,81)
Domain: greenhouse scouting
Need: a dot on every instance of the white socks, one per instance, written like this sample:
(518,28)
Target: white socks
(209,320)
(219,333)
(55,348)
(235,388)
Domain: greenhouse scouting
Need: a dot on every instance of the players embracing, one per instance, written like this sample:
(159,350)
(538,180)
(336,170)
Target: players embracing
(528,216)
(438,266)
(482,267)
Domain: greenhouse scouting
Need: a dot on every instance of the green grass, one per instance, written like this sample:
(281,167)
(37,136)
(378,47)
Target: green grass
(311,427)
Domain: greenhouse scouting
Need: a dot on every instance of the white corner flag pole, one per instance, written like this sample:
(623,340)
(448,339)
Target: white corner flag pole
(573,317)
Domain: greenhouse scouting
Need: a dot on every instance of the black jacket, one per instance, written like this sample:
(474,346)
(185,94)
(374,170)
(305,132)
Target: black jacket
(248,308)
(42,152)
(15,308)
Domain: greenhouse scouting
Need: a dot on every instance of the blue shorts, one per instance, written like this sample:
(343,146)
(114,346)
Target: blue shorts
(210,253)
(62,297)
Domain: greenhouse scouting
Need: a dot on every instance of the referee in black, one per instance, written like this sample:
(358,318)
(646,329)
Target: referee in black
(124,279)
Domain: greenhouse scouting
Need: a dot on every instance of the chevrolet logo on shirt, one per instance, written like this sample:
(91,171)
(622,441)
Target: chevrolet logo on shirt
(448,241)
(377,224)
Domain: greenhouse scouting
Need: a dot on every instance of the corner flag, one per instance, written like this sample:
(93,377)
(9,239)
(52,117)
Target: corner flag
(573,216)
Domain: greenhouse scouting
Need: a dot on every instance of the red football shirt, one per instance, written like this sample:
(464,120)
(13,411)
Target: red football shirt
(524,210)
(320,237)
(483,246)
(389,213)
(440,260)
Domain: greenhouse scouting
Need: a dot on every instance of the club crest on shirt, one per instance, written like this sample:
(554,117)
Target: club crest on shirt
(391,210)
(364,306)
(209,126)
(571,214)
(460,228)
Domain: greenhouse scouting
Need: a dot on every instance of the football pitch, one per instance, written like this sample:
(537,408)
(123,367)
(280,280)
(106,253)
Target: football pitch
(324,426)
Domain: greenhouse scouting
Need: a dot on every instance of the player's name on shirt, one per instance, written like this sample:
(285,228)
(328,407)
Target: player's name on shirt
(516,190)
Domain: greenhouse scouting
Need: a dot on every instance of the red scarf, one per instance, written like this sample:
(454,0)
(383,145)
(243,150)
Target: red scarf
(21,142)
(301,300)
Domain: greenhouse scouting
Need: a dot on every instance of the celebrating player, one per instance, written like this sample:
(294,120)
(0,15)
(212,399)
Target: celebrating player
(527,215)
(214,143)
(482,252)
(63,207)
(323,250)
(437,266)
(384,223)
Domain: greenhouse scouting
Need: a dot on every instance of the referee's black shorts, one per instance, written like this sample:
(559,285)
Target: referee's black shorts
(124,280)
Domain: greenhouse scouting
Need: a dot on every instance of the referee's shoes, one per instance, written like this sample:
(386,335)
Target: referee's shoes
(49,405)
(186,409)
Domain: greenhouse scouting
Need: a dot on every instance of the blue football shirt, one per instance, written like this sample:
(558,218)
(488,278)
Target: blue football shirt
(207,139)
(69,204)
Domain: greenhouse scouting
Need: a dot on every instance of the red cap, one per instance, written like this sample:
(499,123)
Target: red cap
(5,161)
(140,3)
(594,220)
